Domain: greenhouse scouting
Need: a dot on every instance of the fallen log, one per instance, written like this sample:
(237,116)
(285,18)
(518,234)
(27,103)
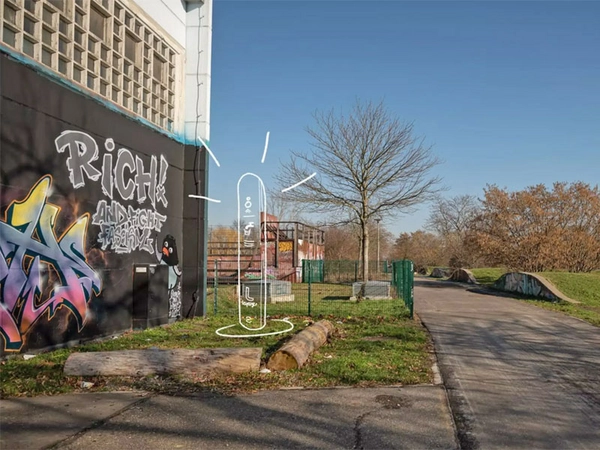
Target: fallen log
(294,353)
(203,362)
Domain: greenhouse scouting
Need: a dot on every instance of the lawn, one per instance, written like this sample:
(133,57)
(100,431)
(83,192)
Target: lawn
(583,287)
(317,299)
(487,275)
(364,351)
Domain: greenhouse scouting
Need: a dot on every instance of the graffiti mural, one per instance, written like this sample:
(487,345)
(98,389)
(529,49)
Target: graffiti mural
(527,284)
(40,271)
(168,256)
(123,177)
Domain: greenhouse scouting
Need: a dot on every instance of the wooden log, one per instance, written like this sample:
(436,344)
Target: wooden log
(294,353)
(204,362)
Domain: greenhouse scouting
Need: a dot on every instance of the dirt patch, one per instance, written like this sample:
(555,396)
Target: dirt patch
(393,401)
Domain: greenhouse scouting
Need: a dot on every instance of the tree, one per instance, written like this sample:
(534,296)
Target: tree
(537,229)
(423,248)
(341,242)
(452,219)
(282,208)
(368,165)
(223,234)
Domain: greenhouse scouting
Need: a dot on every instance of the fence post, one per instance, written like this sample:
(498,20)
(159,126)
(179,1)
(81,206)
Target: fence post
(407,291)
(216,285)
(355,271)
(309,267)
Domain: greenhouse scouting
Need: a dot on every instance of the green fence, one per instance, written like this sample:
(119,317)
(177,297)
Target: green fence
(313,271)
(403,278)
(318,293)
(345,271)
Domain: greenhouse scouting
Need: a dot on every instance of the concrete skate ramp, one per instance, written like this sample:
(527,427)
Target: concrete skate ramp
(531,284)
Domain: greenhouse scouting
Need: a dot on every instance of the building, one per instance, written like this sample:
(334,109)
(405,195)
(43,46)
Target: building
(104,105)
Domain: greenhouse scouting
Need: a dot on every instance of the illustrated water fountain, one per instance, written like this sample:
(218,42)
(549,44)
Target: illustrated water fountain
(254,295)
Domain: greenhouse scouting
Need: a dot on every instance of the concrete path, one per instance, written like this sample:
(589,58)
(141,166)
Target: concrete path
(412,417)
(518,376)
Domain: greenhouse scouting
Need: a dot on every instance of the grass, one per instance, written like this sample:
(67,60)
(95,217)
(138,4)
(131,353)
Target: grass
(325,299)
(487,275)
(363,351)
(583,287)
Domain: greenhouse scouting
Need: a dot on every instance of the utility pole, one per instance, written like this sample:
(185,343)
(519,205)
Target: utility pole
(378,220)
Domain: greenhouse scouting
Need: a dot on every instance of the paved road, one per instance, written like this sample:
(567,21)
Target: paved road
(517,376)
(411,417)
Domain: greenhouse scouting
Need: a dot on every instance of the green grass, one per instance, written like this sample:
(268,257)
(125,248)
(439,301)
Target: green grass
(487,275)
(325,299)
(396,352)
(583,287)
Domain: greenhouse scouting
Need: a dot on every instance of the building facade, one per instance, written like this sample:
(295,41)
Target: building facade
(104,105)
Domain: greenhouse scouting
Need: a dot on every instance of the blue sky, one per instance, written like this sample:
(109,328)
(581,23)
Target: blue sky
(507,93)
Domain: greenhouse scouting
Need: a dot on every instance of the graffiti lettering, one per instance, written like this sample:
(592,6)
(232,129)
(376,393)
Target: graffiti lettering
(83,150)
(286,246)
(126,229)
(123,177)
(29,251)
(129,176)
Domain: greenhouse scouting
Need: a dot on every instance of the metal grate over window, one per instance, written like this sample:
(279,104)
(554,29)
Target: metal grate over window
(102,45)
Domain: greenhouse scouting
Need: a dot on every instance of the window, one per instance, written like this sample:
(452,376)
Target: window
(131,47)
(158,68)
(97,23)
(101,44)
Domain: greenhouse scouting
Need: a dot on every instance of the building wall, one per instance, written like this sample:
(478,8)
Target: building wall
(89,189)
(85,193)
(170,15)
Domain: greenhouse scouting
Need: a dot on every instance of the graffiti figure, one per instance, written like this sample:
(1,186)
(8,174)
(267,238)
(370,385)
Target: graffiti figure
(40,270)
(168,256)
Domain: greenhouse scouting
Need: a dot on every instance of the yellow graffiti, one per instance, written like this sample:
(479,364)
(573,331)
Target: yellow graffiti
(29,249)
(286,246)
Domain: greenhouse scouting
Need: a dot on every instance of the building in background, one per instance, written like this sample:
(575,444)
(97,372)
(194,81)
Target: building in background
(103,106)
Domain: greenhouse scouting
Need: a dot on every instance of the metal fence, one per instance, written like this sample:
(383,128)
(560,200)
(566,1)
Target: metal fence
(325,288)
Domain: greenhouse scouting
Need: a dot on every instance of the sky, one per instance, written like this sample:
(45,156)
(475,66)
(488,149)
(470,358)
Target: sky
(506,93)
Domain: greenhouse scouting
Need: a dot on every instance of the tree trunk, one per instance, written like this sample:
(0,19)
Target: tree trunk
(294,353)
(134,363)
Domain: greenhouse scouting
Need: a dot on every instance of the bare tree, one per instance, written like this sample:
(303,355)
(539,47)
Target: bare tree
(283,208)
(452,215)
(452,219)
(368,165)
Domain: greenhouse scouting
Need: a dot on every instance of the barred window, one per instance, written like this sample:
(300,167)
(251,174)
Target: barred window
(102,45)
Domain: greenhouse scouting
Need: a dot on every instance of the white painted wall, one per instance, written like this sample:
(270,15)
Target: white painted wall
(189,23)
(197,70)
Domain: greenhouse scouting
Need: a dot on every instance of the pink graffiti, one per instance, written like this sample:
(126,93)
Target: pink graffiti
(32,256)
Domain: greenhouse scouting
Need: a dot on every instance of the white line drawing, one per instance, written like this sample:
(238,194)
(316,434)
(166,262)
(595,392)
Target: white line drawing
(250,200)
(272,333)
(209,151)
(299,183)
(204,198)
(266,147)
(251,210)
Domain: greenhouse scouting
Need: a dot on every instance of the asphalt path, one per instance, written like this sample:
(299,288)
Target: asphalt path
(517,376)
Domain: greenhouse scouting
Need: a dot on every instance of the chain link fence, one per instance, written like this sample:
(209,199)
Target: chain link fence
(325,289)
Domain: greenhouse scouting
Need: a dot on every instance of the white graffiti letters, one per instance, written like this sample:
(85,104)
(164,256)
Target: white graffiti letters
(123,177)
(83,150)
(126,229)
(129,177)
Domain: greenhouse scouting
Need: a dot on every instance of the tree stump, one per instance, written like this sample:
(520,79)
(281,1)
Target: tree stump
(204,362)
(294,353)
